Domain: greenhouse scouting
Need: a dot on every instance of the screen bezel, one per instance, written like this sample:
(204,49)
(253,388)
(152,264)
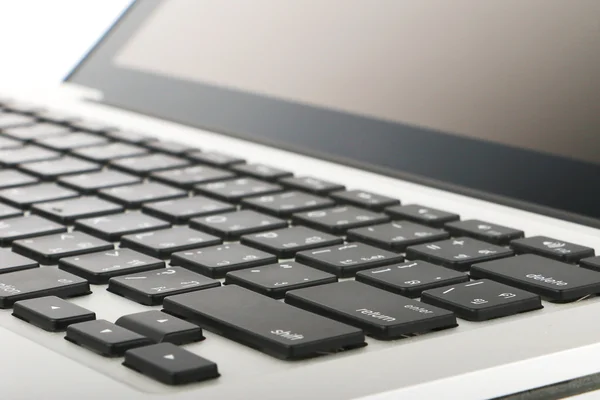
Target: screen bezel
(534,181)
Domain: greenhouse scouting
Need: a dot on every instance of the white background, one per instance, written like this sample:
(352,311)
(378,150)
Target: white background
(42,40)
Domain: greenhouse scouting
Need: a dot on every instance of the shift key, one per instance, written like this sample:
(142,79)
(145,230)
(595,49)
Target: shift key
(265,324)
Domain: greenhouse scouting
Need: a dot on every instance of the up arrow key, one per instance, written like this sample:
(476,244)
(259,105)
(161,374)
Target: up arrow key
(169,357)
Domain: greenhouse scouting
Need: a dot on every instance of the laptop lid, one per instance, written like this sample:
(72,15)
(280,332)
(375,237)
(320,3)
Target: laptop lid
(497,99)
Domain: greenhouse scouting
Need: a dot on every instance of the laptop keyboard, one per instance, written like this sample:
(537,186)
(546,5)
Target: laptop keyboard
(292,266)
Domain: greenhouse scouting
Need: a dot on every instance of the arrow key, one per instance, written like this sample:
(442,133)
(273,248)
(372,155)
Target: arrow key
(105,338)
(161,327)
(51,313)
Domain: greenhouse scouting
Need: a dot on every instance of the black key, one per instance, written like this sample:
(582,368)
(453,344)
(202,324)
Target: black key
(89,183)
(310,184)
(170,364)
(477,229)
(411,278)
(49,249)
(216,261)
(150,288)
(459,253)
(98,268)
(380,314)
(361,198)
(112,151)
(12,178)
(397,235)
(179,211)
(287,203)
(37,131)
(52,169)
(285,243)
(51,313)
(553,280)
(268,325)
(67,211)
(339,219)
(190,176)
(164,242)
(93,126)
(9,212)
(112,227)
(11,262)
(7,143)
(346,260)
(482,300)
(145,165)
(25,154)
(556,249)
(129,136)
(236,189)
(261,171)
(25,196)
(12,229)
(39,282)
(275,280)
(165,146)
(71,141)
(592,263)
(161,327)
(215,159)
(105,338)
(232,225)
(10,120)
(422,215)
(133,196)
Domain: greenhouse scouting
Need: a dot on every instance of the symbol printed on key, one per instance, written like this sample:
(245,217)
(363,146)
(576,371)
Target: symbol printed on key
(169,357)
(106,331)
(478,301)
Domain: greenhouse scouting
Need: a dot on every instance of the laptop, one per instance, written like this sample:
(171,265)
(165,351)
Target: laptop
(308,200)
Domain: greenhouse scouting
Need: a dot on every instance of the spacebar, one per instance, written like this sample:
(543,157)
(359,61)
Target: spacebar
(265,324)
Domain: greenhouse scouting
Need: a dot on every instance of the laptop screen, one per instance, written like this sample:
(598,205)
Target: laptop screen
(486,97)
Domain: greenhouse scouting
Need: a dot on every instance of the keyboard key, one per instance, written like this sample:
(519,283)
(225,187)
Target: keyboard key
(310,184)
(261,171)
(51,313)
(9,212)
(459,253)
(98,268)
(165,146)
(380,314)
(133,196)
(129,136)
(553,280)
(190,176)
(7,143)
(285,243)
(145,165)
(108,152)
(67,211)
(11,262)
(150,288)
(215,159)
(556,249)
(346,260)
(411,278)
(10,120)
(422,215)
(112,227)
(10,178)
(161,327)
(361,198)
(88,125)
(71,141)
(164,242)
(57,117)
(49,249)
(592,263)
(12,229)
(268,325)
(179,211)
(24,107)
(52,169)
(482,300)
(287,203)
(170,364)
(26,154)
(216,261)
(25,196)
(339,219)
(397,235)
(236,189)
(231,226)
(480,230)
(94,181)
(105,338)
(39,282)
(36,132)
